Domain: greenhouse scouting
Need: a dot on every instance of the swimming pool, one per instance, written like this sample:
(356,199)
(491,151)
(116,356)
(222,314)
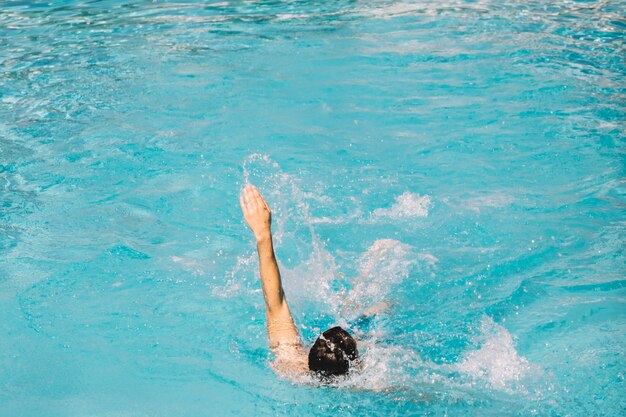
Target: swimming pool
(465,156)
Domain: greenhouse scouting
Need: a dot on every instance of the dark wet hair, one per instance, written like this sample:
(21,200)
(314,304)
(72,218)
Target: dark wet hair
(332,353)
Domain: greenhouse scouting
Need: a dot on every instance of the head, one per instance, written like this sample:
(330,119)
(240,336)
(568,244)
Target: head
(332,353)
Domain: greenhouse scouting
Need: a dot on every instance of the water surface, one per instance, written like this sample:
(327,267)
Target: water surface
(466,157)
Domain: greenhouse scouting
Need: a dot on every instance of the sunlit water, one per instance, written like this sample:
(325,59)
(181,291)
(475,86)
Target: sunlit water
(461,161)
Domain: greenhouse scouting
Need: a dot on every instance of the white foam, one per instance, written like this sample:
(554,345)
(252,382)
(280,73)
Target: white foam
(495,200)
(496,361)
(407,205)
(397,9)
(382,368)
(189,264)
(312,280)
(385,263)
(394,9)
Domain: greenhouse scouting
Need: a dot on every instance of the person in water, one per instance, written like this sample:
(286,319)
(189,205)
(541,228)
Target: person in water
(335,350)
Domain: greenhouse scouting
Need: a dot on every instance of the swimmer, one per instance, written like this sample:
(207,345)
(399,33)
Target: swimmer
(334,352)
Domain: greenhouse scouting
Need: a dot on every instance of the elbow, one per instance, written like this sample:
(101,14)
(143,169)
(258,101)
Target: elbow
(278,308)
(277,303)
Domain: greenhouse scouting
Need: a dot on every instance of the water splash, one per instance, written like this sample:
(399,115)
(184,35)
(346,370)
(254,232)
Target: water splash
(312,276)
(384,265)
(239,278)
(287,202)
(496,362)
(407,205)
(309,271)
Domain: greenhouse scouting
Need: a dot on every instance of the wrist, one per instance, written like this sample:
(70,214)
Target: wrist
(263,237)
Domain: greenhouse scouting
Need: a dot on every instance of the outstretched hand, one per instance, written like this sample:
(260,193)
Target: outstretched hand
(256,212)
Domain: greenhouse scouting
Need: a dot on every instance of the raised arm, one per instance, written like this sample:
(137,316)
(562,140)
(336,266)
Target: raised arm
(280,325)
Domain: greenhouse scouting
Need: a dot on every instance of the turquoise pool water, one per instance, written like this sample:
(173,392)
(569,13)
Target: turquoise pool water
(461,160)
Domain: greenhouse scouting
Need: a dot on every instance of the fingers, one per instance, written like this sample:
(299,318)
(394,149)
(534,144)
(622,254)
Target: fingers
(244,208)
(251,200)
(260,201)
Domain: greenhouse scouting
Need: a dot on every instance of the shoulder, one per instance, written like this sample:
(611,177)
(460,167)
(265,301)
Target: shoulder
(290,358)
